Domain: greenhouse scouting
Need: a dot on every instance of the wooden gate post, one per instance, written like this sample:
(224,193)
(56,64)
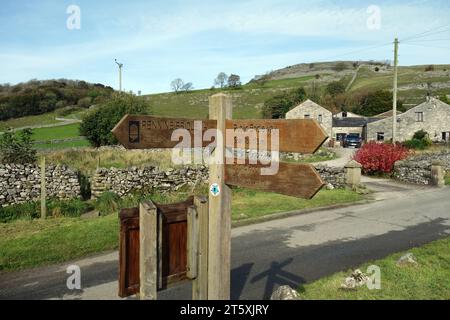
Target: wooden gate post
(200,284)
(192,243)
(219,252)
(148,264)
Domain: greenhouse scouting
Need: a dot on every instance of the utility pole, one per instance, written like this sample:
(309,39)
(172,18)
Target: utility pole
(394,109)
(120,75)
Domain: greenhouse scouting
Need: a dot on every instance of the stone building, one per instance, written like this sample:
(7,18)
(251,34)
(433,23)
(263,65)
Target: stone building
(345,126)
(311,110)
(346,114)
(432,116)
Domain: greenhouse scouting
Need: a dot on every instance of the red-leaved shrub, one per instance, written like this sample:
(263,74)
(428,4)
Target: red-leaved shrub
(380,157)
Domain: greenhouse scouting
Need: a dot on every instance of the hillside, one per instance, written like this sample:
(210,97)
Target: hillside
(367,76)
(250,98)
(41,97)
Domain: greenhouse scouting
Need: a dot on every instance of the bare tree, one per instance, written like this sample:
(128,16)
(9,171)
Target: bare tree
(187,87)
(221,80)
(177,85)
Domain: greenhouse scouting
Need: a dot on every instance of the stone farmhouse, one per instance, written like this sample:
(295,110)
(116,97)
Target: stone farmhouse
(432,116)
(311,110)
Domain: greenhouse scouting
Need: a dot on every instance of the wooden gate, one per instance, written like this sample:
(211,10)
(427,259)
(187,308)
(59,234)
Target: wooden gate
(172,246)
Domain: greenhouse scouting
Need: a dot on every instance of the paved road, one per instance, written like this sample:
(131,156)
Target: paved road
(292,251)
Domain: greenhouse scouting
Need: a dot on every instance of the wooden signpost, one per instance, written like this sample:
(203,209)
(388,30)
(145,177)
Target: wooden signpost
(214,238)
(147,132)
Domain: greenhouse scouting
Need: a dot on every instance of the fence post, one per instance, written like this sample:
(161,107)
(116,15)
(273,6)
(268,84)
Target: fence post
(43,190)
(437,174)
(200,284)
(353,173)
(219,252)
(148,264)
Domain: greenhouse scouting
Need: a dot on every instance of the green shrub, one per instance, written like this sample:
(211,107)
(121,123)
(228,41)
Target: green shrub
(71,208)
(17,148)
(420,135)
(107,203)
(417,144)
(420,141)
(97,124)
(29,210)
(32,210)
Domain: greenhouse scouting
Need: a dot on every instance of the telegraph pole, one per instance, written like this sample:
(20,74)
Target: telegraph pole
(394,110)
(120,75)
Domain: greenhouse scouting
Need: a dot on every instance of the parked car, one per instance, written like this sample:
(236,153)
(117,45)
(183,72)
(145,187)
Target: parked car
(353,140)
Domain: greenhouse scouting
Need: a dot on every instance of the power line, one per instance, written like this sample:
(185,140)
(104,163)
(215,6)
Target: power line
(428,40)
(427,33)
(425,46)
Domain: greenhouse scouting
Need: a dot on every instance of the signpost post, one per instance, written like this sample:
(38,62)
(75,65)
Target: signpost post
(298,180)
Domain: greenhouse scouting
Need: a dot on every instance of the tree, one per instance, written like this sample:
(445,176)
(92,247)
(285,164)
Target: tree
(177,85)
(377,102)
(17,148)
(341,66)
(277,106)
(98,123)
(234,81)
(335,88)
(187,87)
(221,80)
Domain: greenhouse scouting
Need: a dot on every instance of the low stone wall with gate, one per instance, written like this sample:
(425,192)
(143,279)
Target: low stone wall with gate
(417,169)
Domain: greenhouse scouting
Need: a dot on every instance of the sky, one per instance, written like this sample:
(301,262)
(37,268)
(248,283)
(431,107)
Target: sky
(158,41)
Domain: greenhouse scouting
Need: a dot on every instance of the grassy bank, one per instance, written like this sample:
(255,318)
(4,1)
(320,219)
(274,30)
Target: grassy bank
(87,160)
(31,243)
(428,281)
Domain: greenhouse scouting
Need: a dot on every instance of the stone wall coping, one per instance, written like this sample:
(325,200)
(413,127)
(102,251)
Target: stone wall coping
(353,164)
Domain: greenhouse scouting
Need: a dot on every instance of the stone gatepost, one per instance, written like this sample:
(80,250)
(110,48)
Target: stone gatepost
(437,174)
(353,174)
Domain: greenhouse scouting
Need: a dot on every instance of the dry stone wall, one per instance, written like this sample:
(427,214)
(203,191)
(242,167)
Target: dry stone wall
(22,183)
(417,170)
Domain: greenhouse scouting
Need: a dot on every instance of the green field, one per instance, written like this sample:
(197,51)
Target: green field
(31,243)
(429,280)
(56,133)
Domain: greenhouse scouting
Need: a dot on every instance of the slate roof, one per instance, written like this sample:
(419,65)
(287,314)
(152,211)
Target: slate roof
(352,122)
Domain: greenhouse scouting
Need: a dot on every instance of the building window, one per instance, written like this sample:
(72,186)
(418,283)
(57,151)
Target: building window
(344,114)
(320,118)
(307,116)
(419,116)
(380,136)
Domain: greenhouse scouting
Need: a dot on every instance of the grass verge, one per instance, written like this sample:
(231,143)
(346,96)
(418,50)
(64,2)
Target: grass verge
(447,179)
(32,243)
(430,280)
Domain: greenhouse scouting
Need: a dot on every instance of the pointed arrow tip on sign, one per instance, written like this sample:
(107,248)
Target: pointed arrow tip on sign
(119,124)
